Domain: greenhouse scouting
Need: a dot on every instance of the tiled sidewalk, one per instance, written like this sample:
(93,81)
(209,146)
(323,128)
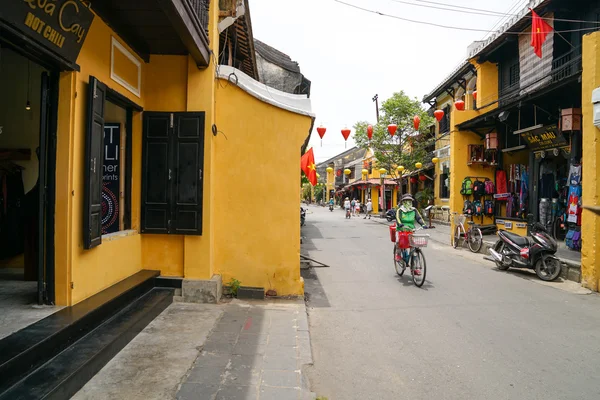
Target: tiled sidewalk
(255,352)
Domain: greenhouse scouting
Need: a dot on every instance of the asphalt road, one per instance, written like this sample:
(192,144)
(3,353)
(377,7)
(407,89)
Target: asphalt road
(471,332)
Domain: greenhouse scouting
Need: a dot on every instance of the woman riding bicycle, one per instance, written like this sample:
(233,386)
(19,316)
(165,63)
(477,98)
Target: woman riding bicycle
(406,215)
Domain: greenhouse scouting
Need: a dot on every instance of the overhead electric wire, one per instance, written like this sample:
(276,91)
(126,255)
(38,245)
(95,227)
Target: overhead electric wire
(446,26)
(502,19)
(485,13)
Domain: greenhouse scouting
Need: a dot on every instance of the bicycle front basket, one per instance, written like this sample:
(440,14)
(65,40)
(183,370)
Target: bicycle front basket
(419,240)
(459,219)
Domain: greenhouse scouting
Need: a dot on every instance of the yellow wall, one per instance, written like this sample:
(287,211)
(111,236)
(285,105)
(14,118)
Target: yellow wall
(590,230)
(487,86)
(257,222)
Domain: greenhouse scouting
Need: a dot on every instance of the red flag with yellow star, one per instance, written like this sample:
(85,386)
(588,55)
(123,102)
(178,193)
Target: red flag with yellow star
(539,30)
(307,163)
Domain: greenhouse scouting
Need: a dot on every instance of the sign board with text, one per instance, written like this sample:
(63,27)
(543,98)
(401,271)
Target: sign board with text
(59,25)
(547,137)
(111,178)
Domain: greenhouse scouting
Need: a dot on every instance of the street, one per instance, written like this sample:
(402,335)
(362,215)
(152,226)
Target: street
(471,332)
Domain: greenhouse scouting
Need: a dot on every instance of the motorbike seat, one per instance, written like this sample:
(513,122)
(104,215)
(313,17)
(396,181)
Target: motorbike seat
(516,239)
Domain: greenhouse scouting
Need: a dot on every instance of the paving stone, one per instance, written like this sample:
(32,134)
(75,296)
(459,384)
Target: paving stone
(238,393)
(247,348)
(303,335)
(282,340)
(252,338)
(290,379)
(194,391)
(281,351)
(224,347)
(283,330)
(206,375)
(212,360)
(253,361)
(235,327)
(281,363)
(242,377)
(275,393)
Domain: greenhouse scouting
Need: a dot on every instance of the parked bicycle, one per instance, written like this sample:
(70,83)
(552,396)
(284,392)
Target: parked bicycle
(407,252)
(471,236)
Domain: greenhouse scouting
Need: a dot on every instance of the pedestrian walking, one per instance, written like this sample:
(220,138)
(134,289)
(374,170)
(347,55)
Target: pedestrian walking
(347,206)
(369,209)
(357,209)
(352,206)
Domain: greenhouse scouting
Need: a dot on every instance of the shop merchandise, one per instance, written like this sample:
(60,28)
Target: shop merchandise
(545,211)
(574,175)
(478,189)
(467,187)
(573,203)
(501,182)
(489,208)
(489,187)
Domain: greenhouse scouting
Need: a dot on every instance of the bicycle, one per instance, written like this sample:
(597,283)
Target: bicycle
(411,254)
(471,236)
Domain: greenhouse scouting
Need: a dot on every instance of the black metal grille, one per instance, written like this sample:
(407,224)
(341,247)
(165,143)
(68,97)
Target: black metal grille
(200,8)
(567,65)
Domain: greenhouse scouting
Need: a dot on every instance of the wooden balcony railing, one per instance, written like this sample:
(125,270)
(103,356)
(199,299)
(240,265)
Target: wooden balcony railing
(200,11)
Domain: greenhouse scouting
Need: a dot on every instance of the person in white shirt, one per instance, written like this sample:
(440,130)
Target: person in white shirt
(347,207)
(357,209)
(369,209)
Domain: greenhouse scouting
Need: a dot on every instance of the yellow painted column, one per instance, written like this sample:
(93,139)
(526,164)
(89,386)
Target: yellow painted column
(330,183)
(375,200)
(395,197)
(590,229)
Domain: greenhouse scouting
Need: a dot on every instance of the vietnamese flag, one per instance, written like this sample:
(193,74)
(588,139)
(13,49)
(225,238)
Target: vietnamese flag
(539,31)
(307,163)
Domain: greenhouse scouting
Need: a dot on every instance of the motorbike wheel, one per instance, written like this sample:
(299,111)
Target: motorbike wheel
(499,247)
(400,266)
(548,268)
(389,219)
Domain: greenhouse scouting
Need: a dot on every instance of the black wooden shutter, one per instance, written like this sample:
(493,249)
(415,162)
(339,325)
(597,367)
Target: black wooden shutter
(188,166)
(156,172)
(94,159)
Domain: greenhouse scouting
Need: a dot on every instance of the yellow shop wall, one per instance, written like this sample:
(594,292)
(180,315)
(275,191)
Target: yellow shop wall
(590,229)
(257,186)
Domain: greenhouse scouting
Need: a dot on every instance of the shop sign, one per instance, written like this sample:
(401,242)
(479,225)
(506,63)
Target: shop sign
(111,178)
(59,25)
(500,222)
(508,224)
(521,225)
(543,138)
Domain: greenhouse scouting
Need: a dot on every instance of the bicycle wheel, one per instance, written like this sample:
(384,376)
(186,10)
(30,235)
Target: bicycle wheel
(418,267)
(398,265)
(475,239)
(456,237)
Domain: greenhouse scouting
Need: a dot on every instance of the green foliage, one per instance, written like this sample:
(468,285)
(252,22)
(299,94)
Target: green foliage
(306,191)
(319,193)
(389,152)
(423,197)
(234,286)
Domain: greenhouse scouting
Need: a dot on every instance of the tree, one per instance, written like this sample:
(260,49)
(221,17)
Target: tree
(408,146)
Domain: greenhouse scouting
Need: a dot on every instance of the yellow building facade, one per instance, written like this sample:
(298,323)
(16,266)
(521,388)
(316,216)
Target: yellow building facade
(232,212)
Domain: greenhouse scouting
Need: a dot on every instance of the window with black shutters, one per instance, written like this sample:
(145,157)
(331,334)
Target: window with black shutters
(107,165)
(172,167)
(445,122)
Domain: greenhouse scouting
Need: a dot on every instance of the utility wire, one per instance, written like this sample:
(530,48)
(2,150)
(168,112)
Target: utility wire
(498,23)
(480,11)
(447,26)
(484,13)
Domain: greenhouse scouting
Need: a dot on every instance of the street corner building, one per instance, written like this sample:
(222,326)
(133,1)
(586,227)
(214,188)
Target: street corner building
(143,142)
(520,116)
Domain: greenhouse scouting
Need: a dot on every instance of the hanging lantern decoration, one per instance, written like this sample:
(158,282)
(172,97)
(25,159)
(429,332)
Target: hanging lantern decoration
(417,122)
(321,131)
(392,128)
(329,170)
(418,165)
(475,95)
(422,178)
(435,160)
(400,169)
(413,180)
(346,135)
(370,132)
(365,171)
(439,114)
(347,172)
(460,105)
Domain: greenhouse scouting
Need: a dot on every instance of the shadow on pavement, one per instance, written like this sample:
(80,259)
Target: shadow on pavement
(314,293)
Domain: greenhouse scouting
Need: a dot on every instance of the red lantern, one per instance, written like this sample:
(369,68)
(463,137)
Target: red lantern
(460,105)
(417,122)
(392,128)
(346,134)
(439,114)
(413,180)
(475,95)
(321,131)
(422,178)
(370,131)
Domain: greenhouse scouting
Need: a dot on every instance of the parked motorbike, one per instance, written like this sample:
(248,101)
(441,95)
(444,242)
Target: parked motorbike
(537,253)
(331,207)
(390,215)
(302,216)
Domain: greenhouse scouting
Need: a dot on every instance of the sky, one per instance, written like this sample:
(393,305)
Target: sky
(350,55)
